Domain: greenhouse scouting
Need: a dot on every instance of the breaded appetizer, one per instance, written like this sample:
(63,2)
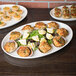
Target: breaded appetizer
(10,46)
(2,23)
(11,13)
(27,28)
(6,9)
(19,11)
(58,41)
(62,32)
(2,13)
(17,16)
(24,51)
(15,8)
(6,18)
(15,35)
(53,24)
(44,47)
(65,8)
(40,25)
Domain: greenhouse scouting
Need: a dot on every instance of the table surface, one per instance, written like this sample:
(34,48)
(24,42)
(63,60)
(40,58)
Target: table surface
(61,63)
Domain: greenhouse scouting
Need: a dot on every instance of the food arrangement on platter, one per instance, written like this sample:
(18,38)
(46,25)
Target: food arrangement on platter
(10,13)
(41,36)
(65,12)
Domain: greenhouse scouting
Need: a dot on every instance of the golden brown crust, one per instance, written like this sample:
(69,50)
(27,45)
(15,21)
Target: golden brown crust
(9,46)
(19,11)
(2,23)
(27,27)
(40,25)
(62,32)
(6,9)
(23,51)
(14,8)
(6,18)
(44,47)
(15,35)
(58,41)
(53,24)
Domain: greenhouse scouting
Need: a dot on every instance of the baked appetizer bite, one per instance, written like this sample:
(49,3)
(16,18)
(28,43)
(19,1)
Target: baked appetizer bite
(40,25)
(6,18)
(73,13)
(73,7)
(15,35)
(65,8)
(19,11)
(24,51)
(62,32)
(2,13)
(15,7)
(17,16)
(57,12)
(10,46)
(27,28)
(11,13)
(53,25)
(2,23)
(58,41)
(44,47)
(6,9)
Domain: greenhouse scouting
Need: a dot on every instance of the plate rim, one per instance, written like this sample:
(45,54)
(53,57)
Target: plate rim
(39,56)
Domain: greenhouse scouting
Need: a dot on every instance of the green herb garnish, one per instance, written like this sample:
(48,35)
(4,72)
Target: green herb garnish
(49,41)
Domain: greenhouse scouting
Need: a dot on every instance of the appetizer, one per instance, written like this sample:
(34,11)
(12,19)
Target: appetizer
(17,17)
(2,13)
(6,18)
(2,23)
(44,47)
(15,35)
(62,32)
(57,12)
(6,9)
(10,46)
(53,25)
(11,13)
(73,7)
(19,11)
(15,8)
(40,25)
(73,13)
(24,51)
(58,41)
(65,8)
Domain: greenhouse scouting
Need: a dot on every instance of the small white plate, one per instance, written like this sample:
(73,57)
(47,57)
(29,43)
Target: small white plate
(60,18)
(37,53)
(12,21)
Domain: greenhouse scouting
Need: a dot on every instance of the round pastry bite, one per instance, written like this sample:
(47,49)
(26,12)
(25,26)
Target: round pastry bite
(11,13)
(24,51)
(15,7)
(73,7)
(66,16)
(65,8)
(15,35)
(27,28)
(57,10)
(62,32)
(53,25)
(10,46)
(44,47)
(2,13)
(19,11)
(6,18)
(73,13)
(58,41)
(2,23)
(40,25)
(17,16)
(6,9)
(57,14)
